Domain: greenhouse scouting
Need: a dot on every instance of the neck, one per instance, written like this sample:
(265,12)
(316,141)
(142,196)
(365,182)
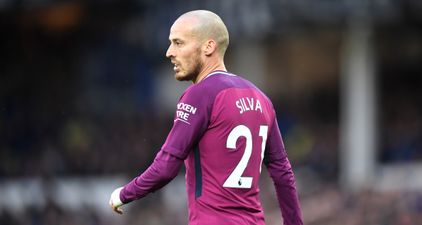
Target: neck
(207,70)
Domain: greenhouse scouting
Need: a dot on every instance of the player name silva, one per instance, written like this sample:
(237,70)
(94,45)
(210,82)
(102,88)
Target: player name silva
(248,104)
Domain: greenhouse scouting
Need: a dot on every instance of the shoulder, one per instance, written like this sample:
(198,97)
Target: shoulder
(211,85)
(214,83)
(220,80)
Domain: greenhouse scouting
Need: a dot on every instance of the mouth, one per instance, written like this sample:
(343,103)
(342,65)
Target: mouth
(176,66)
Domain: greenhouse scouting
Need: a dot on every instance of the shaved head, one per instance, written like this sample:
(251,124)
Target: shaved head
(198,42)
(208,25)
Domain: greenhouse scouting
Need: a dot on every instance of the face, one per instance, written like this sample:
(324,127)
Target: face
(184,51)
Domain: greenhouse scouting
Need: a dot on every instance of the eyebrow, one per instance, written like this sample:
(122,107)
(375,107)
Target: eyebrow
(175,39)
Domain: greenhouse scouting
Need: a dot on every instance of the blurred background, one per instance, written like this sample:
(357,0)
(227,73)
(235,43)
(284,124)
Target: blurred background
(87,98)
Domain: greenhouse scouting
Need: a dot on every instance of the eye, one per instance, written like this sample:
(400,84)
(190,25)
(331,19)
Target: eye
(178,43)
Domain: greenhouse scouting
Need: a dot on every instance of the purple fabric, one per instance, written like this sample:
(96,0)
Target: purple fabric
(164,168)
(280,170)
(222,107)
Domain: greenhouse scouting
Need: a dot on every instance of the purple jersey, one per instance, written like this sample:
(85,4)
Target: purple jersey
(224,129)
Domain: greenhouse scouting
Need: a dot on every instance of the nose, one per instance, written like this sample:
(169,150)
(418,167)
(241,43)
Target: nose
(170,52)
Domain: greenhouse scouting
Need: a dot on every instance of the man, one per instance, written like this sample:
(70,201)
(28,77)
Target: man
(224,129)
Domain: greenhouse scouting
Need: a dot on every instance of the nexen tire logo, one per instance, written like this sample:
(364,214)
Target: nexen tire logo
(184,111)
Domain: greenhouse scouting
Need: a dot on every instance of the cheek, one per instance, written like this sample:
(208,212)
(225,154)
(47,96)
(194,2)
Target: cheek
(195,57)
(190,59)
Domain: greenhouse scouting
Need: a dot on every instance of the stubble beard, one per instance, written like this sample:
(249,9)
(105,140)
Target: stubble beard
(192,74)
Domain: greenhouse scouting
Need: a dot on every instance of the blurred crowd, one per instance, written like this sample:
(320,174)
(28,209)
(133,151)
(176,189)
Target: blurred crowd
(327,205)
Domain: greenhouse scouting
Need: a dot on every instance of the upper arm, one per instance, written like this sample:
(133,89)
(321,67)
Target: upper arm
(275,147)
(191,119)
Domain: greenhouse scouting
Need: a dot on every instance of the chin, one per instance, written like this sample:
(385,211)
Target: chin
(183,77)
(178,76)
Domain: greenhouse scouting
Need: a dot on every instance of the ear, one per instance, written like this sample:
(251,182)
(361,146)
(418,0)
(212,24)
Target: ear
(210,46)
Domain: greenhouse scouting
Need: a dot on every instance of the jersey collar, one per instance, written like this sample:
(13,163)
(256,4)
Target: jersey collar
(219,72)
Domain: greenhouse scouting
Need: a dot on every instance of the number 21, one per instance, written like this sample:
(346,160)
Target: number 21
(235,180)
